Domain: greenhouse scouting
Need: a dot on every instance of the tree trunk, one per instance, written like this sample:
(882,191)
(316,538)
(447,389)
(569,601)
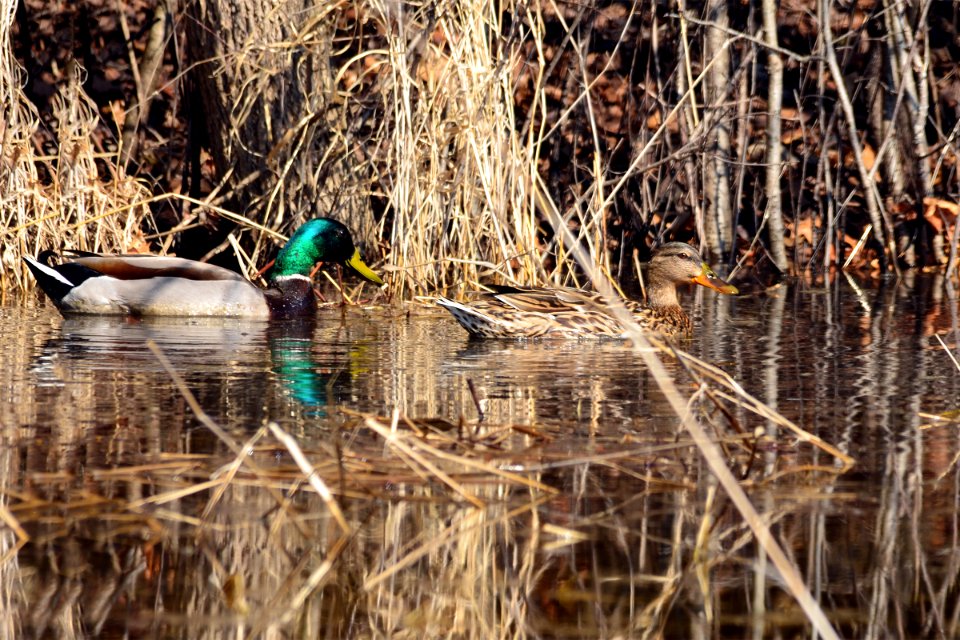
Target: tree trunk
(262,82)
(773,214)
(246,90)
(689,126)
(902,44)
(148,79)
(883,114)
(719,227)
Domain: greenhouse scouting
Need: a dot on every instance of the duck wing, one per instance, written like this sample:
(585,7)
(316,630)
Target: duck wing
(146,266)
(569,312)
(559,300)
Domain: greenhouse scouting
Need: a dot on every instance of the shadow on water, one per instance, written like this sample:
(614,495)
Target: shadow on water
(574,508)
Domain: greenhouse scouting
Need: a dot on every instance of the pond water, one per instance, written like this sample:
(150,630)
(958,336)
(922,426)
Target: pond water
(450,487)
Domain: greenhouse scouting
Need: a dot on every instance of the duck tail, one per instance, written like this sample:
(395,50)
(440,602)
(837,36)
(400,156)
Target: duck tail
(473,320)
(54,284)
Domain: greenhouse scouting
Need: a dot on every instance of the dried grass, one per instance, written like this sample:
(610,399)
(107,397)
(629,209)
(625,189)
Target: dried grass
(451,529)
(78,197)
(456,171)
(431,515)
(467,204)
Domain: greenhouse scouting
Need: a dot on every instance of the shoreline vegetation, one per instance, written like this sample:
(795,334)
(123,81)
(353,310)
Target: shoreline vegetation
(457,138)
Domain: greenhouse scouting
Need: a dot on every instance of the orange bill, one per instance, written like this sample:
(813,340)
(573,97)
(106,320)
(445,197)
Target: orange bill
(708,278)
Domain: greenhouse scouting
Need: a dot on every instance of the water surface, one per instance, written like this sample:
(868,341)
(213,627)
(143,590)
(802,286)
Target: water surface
(540,489)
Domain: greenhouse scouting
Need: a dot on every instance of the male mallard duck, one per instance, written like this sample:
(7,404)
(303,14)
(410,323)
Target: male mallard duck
(511,312)
(145,285)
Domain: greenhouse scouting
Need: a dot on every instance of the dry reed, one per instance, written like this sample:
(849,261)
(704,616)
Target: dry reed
(432,125)
(77,197)
(467,202)
(449,505)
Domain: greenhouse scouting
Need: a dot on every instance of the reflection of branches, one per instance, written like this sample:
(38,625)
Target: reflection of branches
(525,523)
(604,539)
(707,448)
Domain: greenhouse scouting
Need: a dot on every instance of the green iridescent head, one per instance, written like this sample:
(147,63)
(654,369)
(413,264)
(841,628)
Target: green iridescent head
(320,240)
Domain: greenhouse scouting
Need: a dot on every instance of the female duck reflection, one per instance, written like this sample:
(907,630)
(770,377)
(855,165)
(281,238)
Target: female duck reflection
(220,358)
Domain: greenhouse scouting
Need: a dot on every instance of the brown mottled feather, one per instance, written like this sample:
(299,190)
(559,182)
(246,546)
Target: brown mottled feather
(569,313)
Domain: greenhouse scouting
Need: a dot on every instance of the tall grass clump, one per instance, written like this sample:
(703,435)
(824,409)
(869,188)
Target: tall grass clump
(408,132)
(458,176)
(75,196)
(457,137)
(459,173)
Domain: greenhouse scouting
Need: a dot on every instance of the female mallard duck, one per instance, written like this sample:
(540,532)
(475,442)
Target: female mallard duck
(511,312)
(145,285)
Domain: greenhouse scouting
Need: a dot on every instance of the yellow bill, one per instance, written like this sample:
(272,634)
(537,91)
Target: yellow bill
(357,264)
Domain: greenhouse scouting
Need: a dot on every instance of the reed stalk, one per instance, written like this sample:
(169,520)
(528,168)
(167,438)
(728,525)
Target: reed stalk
(426,127)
